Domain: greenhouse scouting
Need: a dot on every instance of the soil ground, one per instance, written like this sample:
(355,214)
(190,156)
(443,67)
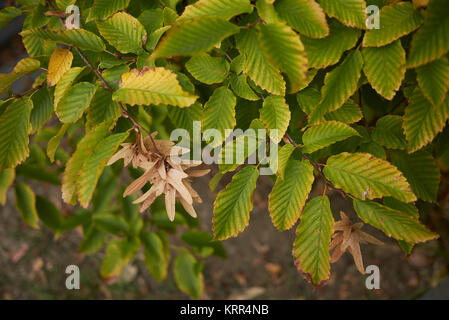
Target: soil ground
(259,266)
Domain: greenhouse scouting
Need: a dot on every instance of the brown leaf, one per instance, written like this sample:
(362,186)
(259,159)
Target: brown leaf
(18,254)
(348,237)
(188,207)
(198,173)
(170,195)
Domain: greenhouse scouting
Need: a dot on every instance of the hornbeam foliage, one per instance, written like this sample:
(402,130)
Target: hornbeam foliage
(359,113)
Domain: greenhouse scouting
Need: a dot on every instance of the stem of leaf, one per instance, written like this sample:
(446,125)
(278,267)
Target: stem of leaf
(317,167)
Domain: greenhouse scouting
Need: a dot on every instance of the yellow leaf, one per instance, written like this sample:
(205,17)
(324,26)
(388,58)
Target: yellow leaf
(155,86)
(60,62)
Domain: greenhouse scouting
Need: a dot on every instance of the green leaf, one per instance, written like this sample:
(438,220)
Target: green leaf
(26,204)
(152,86)
(238,64)
(188,275)
(407,208)
(155,257)
(283,157)
(289,195)
(105,192)
(14,129)
(313,236)
(78,218)
(130,210)
(55,141)
(38,173)
(275,115)
(65,83)
(339,85)
(7,14)
(367,177)
(406,247)
(234,204)
(169,16)
(348,113)
(154,38)
(42,108)
(421,172)
(433,79)
(219,112)
(123,32)
(207,69)
(385,68)
(284,50)
(129,247)
(151,19)
(240,86)
(113,263)
(423,121)
(327,51)
(240,147)
(93,241)
(49,214)
(63,4)
(388,132)
(184,117)
(102,108)
(194,36)
(201,242)
(37,47)
(83,39)
(110,223)
(305,16)
(431,41)
(112,75)
(308,99)
(73,167)
(102,9)
(22,68)
(396,21)
(393,223)
(214,181)
(349,12)
(77,99)
(257,65)
(224,9)
(6,179)
(267,12)
(325,134)
(94,164)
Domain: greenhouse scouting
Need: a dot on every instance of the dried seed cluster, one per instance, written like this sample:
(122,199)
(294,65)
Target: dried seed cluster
(165,173)
(348,237)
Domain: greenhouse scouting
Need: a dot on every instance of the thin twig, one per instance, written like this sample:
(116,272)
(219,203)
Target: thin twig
(119,56)
(227,56)
(252,25)
(317,167)
(20,95)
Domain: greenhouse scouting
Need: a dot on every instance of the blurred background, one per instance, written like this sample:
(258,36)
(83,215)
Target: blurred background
(259,264)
